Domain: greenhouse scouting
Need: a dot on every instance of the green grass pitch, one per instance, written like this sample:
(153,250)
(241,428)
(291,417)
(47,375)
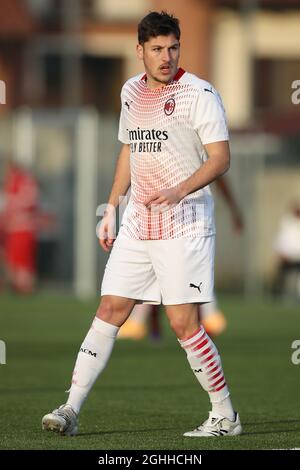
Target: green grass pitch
(147,397)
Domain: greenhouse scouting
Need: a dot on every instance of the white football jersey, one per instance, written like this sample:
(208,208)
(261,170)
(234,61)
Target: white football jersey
(166,129)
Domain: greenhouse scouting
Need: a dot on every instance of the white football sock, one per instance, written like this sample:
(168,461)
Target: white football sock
(206,364)
(91,360)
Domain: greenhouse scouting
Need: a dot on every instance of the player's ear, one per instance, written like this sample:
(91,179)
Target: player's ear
(140,51)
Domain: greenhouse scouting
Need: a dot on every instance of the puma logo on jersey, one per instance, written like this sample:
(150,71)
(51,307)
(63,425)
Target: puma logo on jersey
(210,91)
(197,287)
(197,370)
(128,104)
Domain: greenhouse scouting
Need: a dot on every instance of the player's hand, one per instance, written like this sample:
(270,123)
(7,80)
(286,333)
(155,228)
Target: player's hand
(107,232)
(164,200)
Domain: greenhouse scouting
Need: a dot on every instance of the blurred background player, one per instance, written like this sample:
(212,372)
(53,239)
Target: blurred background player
(24,225)
(19,228)
(2,273)
(287,247)
(144,318)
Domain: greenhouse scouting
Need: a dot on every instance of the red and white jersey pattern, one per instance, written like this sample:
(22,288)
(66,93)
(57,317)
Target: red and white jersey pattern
(167,129)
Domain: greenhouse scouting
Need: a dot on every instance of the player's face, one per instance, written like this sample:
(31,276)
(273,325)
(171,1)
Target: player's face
(160,56)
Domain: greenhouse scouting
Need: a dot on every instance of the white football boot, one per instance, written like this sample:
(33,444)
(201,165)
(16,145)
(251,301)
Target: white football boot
(62,420)
(216,425)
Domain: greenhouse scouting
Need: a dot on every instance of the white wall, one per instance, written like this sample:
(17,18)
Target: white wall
(236,41)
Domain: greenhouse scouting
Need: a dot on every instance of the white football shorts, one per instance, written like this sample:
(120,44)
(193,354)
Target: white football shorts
(171,272)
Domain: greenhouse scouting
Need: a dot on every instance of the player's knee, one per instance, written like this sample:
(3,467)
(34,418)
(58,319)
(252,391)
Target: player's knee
(179,326)
(105,311)
(112,312)
(184,325)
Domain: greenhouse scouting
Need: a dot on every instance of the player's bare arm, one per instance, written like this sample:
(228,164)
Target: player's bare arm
(216,165)
(227,194)
(120,186)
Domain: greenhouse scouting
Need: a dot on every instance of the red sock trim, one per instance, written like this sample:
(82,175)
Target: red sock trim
(194,334)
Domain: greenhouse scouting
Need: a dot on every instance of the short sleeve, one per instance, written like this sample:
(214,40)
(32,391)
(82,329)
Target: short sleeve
(208,117)
(123,134)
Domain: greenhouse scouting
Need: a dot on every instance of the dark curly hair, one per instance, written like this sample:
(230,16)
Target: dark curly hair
(157,24)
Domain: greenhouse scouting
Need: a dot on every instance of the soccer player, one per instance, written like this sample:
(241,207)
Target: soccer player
(175,143)
(20,228)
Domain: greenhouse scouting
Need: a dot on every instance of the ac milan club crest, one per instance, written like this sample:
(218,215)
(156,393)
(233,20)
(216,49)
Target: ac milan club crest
(169,106)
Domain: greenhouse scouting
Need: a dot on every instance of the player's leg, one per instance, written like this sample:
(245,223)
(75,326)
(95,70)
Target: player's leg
(205,362)
(97,346)
(128,276)
(185,271)
(155,327)
(24,281)
(21,252)
(92,358)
